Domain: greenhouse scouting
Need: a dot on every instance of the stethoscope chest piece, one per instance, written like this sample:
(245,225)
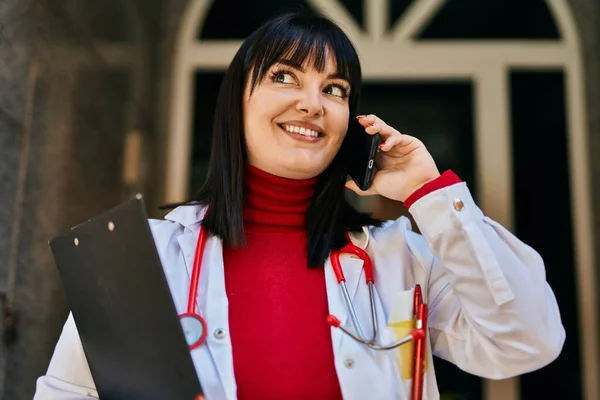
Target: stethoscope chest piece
(194,329)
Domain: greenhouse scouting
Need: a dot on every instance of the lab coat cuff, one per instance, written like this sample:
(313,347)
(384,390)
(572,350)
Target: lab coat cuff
(450,207)
(446,179)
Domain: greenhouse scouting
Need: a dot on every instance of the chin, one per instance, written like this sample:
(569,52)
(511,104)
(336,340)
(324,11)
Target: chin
(303,170)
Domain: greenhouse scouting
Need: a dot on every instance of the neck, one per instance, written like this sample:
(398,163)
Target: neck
(274,203)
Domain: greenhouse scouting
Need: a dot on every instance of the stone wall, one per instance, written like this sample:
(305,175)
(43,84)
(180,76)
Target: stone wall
(76,95)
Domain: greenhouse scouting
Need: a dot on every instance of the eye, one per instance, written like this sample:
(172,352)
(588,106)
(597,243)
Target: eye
(282,77)
(337,90)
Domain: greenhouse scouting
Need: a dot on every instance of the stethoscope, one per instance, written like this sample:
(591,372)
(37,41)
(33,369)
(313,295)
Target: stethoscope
(195,327)
(193,324)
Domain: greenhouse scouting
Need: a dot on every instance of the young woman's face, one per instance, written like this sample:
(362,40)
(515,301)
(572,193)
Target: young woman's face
(295,120)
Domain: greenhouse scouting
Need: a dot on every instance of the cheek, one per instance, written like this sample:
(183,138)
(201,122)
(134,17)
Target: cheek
(340,125)
(263,108)
(254,120)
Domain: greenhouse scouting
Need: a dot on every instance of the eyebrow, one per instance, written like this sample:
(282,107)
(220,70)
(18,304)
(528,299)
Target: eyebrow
(299,67)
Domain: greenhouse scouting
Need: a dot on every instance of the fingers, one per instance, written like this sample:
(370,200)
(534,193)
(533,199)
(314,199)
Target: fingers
(390,136)
(374,124)
(354,187)
(391,142)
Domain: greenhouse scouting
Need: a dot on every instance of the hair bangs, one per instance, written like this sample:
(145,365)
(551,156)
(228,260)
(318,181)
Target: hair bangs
(304,42)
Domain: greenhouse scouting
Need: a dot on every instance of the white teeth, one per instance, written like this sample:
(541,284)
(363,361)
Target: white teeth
(301,131)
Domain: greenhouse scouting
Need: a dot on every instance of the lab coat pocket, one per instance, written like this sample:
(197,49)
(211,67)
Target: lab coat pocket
(402,322)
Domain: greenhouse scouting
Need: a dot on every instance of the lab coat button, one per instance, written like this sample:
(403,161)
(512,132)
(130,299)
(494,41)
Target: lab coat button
(220,333)
(458,204)
(349,363)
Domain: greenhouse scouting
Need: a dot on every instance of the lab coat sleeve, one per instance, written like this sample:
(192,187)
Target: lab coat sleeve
(492,312)
(68,376)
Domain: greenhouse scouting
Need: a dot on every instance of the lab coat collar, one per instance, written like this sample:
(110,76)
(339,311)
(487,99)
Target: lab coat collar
(361,239)
(188,216)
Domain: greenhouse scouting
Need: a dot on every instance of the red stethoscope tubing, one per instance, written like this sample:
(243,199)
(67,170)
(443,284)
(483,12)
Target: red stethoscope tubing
(360,253)
(193,293)
(195,279)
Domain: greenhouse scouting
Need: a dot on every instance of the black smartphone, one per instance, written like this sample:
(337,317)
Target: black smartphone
(361,164)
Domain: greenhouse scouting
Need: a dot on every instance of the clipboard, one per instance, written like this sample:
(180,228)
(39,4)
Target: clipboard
(123,308)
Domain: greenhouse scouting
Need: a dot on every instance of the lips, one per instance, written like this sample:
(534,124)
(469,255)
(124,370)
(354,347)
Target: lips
(301,134)
(301,130)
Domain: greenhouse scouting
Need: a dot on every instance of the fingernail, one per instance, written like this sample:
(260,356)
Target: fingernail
(381,146)
(360,116)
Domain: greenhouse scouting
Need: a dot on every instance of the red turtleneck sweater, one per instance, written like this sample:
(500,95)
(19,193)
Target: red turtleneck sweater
(277,306)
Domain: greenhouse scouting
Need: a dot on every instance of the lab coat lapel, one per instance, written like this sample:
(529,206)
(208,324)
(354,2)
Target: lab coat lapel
(212,277)
(212,304)
(190,217)
(187,244)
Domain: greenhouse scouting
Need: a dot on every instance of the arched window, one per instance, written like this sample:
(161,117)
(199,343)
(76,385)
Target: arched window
(494,89)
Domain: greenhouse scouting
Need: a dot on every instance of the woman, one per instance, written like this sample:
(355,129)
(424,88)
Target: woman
(276,210)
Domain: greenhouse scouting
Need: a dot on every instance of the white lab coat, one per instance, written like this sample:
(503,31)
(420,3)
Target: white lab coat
(491,312)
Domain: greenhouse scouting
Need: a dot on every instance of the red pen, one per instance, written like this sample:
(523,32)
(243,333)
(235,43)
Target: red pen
(417,300)
(421,311)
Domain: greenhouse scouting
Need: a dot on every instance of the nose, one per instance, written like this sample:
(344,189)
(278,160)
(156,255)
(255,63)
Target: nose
(310,103)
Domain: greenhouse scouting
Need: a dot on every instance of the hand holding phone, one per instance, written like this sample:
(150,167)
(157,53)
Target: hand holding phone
(361,164)
(402,164)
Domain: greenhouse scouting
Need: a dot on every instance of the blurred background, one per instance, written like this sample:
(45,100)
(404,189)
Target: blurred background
(102,99)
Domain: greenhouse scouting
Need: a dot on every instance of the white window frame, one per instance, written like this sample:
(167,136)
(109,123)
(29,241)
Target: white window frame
(396,56)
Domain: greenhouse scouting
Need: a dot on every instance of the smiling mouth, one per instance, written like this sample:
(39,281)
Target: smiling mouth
(301,131)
